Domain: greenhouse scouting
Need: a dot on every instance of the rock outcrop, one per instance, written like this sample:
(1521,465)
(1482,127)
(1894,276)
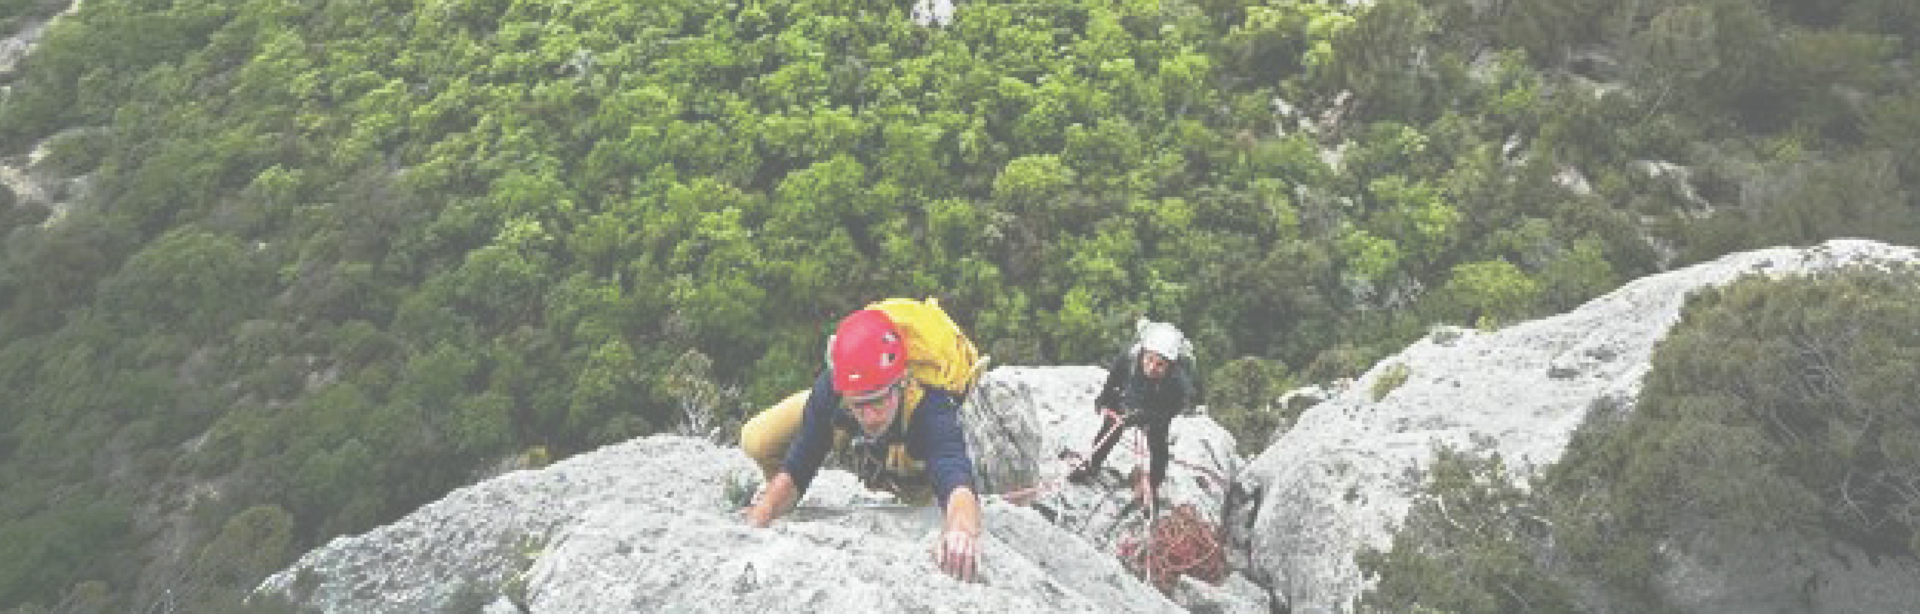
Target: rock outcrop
(933,12)
(1344,476)
(653,525)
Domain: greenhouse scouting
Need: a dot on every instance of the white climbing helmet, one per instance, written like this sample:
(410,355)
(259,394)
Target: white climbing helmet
(1162,338)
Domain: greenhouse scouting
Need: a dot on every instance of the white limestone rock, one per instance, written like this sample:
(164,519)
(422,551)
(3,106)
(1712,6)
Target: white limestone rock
(933,12)
(653,524)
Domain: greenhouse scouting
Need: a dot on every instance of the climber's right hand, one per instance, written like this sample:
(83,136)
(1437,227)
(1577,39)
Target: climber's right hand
(958,554)
(758,517)
(779,496)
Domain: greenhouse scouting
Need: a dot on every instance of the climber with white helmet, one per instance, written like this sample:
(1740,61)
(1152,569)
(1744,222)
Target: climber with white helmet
(890,399)
(1152,381)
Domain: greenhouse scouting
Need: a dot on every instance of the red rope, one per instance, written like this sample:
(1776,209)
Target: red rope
(1183,543)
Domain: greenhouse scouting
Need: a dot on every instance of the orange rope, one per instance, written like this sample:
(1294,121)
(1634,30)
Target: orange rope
(1183,543)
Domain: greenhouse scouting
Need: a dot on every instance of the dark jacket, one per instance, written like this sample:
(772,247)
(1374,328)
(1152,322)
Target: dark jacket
(931,434)
(1141,399)
(1147,403)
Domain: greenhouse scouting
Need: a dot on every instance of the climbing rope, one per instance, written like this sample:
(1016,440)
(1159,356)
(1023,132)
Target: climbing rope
(1181,544)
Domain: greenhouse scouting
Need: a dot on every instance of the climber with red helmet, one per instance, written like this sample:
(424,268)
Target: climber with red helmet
(890,393)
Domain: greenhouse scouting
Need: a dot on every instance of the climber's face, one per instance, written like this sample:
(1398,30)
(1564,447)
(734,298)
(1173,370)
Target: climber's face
(875,410)
(1152,364)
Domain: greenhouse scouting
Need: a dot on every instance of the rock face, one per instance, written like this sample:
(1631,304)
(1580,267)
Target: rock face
(1053,416)
(653,525)
(933,12)
(1343,477)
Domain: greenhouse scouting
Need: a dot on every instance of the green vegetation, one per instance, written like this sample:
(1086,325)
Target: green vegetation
(1391,378)
(1775,408)
(1472,543)
(1243,396)
(339,257)
(526,550)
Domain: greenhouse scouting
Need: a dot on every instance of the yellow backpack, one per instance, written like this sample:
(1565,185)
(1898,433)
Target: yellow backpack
(939,354)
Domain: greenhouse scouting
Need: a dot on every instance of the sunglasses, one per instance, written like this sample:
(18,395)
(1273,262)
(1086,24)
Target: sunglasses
(874,399)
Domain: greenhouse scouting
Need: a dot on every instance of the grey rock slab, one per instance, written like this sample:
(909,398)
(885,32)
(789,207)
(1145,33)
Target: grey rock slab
(651,525)
(650,558)
(477,539)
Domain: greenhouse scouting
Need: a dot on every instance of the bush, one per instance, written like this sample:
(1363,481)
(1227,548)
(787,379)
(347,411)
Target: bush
(1789,404)
(1473,542)
(1492,293)
(1391,378)
(199,281)
(251,545)
(1241,396)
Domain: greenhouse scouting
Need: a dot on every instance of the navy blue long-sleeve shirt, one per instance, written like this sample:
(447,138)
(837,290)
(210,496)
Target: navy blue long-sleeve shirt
(932,435)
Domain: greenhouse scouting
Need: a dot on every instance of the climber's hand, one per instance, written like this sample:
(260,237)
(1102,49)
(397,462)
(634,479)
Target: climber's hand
(958,553)
(779,496)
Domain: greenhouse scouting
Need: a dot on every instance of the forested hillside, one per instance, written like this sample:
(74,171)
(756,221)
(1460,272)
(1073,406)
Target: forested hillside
(332,258)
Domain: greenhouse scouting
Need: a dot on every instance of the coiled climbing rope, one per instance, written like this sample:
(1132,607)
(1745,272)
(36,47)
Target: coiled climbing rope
(1180,544)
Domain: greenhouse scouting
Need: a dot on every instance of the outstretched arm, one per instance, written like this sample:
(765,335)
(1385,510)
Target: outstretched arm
(951,471)
(959,548)
(804,455)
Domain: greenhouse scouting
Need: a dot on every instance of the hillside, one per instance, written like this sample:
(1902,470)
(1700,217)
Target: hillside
(275,272)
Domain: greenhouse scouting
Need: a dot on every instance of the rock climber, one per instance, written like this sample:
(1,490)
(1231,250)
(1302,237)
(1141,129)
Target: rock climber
(889,398)
(1145,388)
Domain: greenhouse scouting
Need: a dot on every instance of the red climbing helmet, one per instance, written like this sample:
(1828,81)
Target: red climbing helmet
(867,352)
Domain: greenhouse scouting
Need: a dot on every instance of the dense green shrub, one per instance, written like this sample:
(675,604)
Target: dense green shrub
(1803,385)
(1473,542)
(1243,396)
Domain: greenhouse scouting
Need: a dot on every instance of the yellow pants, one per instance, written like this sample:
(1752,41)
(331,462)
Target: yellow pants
(766,436)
